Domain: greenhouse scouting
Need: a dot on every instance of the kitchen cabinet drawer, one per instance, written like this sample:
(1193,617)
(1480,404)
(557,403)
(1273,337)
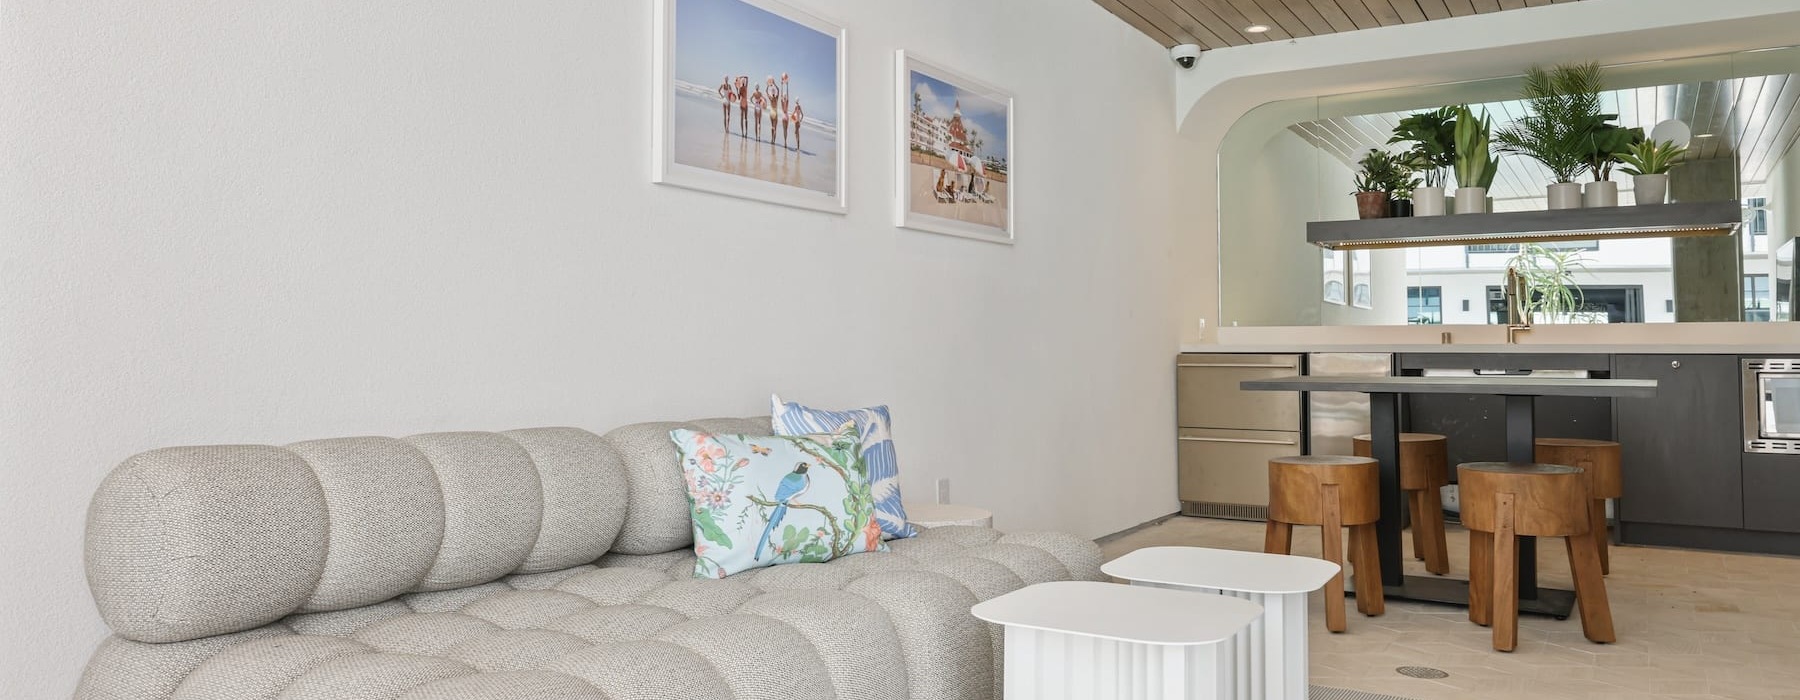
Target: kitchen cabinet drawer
(1207,393)
(1771,490)
(1683,448)
(1230,466)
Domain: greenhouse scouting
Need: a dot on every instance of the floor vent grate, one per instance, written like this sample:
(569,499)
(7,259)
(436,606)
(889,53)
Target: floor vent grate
(1420,672)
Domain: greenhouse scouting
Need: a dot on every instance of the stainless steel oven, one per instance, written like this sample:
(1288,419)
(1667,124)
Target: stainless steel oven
(1771,405)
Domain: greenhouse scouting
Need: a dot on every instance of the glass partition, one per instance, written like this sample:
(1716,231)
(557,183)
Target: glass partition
(1287,163)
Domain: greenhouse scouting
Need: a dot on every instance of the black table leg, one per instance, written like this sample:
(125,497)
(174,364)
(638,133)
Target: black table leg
(1521,448)
(1384,444)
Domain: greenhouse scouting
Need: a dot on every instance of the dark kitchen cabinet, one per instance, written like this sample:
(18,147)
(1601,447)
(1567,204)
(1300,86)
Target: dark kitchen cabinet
(1772,492)
(1682,449)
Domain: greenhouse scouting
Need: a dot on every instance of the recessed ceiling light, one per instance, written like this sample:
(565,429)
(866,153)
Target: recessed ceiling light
(1703,136)
(1257,28)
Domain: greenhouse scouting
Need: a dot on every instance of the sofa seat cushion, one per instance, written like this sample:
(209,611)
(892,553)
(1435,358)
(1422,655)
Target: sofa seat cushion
(879,626)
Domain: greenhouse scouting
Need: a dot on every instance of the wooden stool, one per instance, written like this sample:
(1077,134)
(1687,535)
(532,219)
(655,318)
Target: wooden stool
(1331,492)
(1600,459)
(1501,502)
(1424,469)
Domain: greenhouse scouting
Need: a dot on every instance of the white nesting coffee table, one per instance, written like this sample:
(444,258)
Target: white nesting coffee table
(1083,640)
(1270,658)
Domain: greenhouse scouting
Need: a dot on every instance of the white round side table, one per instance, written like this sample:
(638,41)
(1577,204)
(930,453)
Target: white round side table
(930,515)
(1270,659)
(1084,640)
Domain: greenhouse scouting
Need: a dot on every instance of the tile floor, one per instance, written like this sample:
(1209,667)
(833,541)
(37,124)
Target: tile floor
(1692,625)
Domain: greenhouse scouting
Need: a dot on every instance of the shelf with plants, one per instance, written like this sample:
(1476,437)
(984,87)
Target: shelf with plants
(1563,129)
(1719,218)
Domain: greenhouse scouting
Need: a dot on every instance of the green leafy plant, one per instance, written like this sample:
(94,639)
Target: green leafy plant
(1433,136)
(1404,189)
(1565,111)
(1474,165)
(1651,157)
(1549,277)
(1606,143)
(1383,172)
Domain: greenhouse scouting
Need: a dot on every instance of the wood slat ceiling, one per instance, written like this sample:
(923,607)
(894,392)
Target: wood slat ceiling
(1215,24)
(1755,119)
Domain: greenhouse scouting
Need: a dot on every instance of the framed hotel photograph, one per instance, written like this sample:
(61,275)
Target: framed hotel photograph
(953,141)
(749,102)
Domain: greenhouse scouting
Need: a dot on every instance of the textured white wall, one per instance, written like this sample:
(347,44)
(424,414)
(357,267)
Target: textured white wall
(279,221)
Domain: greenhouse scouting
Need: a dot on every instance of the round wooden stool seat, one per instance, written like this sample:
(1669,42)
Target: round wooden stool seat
(1424,459)
(1332,492)
(1295,491)
(1424,470)
(1549,500)
(1599,458)
(1601,461)
(1502,502)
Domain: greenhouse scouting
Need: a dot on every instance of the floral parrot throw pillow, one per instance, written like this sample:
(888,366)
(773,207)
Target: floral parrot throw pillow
(760,501)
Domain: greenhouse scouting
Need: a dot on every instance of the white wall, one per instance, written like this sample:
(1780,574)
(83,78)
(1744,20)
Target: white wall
(273,222)
(1278,182)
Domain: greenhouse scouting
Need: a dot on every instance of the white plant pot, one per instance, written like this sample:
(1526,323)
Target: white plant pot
(1651,189)
(1428,201)
(1602,193)
(1564,195)
(1471,200)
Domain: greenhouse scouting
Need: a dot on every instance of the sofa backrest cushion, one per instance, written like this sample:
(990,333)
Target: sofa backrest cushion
(190,542)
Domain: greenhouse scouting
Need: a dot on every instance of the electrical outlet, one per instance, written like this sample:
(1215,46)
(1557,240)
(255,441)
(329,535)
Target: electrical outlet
(943,491)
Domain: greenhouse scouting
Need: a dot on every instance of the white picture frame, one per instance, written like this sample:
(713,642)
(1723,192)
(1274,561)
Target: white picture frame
(968,204)
(690,153)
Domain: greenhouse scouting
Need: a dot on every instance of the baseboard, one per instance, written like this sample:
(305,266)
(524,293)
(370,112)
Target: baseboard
(1103,539)
(1708,538)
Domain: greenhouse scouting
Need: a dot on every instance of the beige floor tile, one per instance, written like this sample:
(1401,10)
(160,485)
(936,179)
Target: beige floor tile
(1691,625)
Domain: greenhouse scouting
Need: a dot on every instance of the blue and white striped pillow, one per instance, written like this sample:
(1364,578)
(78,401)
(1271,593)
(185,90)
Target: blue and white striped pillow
(877,453)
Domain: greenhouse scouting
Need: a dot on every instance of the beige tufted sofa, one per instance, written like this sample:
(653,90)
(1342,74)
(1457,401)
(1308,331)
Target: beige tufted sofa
(546,563)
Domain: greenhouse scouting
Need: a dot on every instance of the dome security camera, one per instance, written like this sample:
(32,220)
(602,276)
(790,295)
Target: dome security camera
(1185,55)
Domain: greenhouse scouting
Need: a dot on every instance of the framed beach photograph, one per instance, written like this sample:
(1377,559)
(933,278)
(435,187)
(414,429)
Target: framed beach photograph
(749,100)
(954,143)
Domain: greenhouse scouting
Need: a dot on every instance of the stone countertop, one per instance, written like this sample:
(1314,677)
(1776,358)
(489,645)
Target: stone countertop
(1788,349)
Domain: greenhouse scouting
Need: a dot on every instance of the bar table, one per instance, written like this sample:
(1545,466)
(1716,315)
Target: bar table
(1384,422)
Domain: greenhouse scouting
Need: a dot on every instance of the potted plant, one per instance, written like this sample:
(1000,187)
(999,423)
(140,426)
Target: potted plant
(1474,166)
(1388,174)
(1433,136)
(1371,201)
(1564,105)
(1401,194)
(1606,141)
(1648,163)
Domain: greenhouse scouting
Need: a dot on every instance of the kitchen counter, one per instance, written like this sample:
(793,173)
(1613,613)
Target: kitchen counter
(1587,349)
(1605,339)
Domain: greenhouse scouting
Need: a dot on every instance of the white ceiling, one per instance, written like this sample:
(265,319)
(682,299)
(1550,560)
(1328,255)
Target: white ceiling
(1755,118)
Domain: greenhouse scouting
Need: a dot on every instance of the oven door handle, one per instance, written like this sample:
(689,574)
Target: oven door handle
(1241,441)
